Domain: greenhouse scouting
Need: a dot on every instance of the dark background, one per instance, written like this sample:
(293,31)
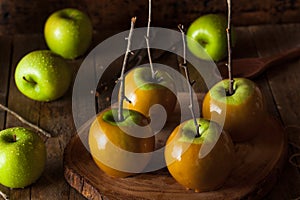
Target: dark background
(28,16)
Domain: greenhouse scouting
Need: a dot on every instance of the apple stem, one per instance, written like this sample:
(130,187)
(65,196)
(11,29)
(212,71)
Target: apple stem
(229,64)
(153,72)
(25,121)
(190,84)
(122,79)
(14,138)
(31,82)
(4,196)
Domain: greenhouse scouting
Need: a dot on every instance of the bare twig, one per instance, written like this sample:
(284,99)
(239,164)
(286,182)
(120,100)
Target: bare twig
(149,19)
(228,31)
(153,73)
(25,121)
(122,79)
(184,65)
(4,196)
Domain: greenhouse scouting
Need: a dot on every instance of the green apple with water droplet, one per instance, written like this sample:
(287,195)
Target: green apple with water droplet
(68,32)
(43,75)
(207,37)
(22,157)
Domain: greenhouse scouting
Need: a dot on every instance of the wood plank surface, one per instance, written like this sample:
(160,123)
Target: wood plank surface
(280,86)
(268,41)
(17,102)
(5,61)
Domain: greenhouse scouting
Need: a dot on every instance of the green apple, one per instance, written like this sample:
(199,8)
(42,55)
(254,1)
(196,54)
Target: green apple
(22,157)
(119,148)
(200,163)
(245,109)
(210,32)
(43,75)
(68,32)
(143,91)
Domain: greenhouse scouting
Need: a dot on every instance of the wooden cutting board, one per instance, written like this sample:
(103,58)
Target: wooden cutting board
(257,167)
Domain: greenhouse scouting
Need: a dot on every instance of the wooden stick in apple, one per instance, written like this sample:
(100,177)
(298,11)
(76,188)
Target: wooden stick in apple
(228,31)
(153,73)
(146,86)
(190,84)
(122,79)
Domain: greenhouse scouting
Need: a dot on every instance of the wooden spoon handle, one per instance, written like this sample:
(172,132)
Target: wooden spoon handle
(281,57)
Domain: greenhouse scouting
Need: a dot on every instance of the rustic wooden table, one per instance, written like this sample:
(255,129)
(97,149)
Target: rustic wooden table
(280,85)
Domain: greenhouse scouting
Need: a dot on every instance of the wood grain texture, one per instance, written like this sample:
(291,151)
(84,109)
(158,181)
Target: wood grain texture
(59,112)
(22,17)
(22,46)
(5,59)
(256,169)
(282,38)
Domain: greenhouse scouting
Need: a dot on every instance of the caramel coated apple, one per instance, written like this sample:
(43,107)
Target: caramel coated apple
(121,148)
(243,113)
(199,163)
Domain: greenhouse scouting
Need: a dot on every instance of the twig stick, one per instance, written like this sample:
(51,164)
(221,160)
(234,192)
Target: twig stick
(153,73)
(184,65)
(149,19)
(25,121)
(4,196)
(122,79)
(228,31)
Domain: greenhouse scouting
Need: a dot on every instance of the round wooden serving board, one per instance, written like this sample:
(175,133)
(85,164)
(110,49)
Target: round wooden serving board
(257,167)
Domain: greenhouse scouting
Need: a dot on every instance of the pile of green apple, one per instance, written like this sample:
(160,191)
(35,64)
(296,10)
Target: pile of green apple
(242,113)
(42,75)
(45,75)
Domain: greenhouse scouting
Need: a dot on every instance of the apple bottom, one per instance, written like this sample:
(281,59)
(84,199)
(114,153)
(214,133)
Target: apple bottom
(200,174)
(116,162)
(245,131)
(243,122)
(110,171)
